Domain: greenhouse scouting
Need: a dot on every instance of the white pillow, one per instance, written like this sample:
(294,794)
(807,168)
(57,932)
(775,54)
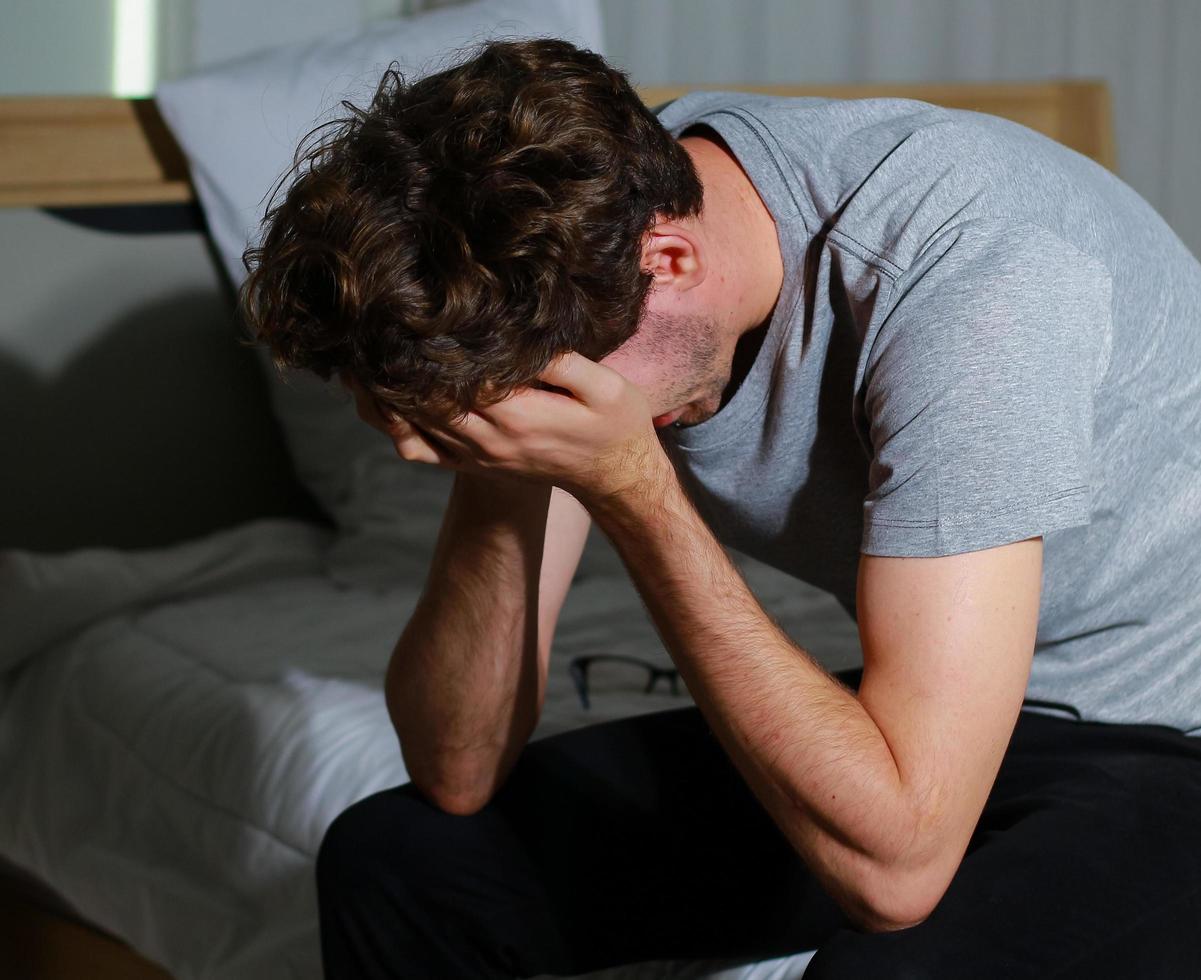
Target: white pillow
(239,124)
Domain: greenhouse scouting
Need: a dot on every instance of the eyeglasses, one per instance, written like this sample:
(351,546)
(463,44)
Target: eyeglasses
(579,668)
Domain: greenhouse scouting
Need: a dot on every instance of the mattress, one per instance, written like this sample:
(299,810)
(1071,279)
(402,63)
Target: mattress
(178,727)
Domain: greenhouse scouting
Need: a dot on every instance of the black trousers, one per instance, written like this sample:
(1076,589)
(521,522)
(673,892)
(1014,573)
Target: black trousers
(638,840)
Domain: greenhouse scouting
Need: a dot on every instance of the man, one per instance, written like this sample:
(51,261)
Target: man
(927,360)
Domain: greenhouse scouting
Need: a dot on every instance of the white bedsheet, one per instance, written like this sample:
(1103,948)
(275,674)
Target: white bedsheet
(180,725)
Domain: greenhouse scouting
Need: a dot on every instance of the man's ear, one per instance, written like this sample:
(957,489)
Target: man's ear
(675,255)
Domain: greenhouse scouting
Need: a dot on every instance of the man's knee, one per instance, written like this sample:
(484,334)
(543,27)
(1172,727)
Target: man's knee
(392,832)
(896,955)
(390,872)
(432,893)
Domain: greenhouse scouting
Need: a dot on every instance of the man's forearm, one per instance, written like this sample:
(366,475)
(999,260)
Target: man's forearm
(804,743)
(463,684)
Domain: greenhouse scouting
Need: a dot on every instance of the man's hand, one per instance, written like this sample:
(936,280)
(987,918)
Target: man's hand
(412,443)
(594,437)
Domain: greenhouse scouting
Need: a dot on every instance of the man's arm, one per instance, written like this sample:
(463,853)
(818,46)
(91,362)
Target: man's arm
(879,793)
(467,678)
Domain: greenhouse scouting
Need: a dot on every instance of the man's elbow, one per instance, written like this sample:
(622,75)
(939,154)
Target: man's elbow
(453,799)
(461,806)
(462,786)
(881,918)
(896,900)
(900,888)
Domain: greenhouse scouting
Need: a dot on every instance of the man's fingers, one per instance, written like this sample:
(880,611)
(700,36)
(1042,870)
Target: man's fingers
(367,407)
(585,380)
(423,439)
(468,433)
(372,411)
(414,449)
(421,447)
(570,372)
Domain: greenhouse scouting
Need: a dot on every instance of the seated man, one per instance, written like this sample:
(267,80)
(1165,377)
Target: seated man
(927,360)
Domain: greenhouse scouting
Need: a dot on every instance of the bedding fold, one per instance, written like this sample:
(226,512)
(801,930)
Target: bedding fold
(46,598)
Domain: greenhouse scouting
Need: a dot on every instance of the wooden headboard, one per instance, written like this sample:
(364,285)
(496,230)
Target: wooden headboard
(94,150)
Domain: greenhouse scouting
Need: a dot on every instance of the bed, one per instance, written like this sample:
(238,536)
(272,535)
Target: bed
(192,639)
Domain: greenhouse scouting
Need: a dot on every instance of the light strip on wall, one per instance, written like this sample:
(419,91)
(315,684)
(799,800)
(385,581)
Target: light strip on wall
(134,54)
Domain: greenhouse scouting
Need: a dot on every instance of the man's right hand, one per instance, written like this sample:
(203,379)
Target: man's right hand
(411,443)
(467,678)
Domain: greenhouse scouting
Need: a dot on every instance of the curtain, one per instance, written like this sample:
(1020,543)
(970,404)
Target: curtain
(1145,50)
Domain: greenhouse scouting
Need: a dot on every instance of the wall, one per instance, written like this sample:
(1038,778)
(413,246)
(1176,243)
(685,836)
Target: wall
(67,47)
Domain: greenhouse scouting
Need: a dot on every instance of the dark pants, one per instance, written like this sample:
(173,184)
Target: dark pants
(638,840)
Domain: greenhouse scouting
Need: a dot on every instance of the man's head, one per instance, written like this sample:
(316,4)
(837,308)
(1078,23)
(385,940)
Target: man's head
(442,245)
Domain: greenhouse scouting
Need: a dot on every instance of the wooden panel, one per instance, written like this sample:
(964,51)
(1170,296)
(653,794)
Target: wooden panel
(36,944)
(87,150)
(1075,112)
(58,151)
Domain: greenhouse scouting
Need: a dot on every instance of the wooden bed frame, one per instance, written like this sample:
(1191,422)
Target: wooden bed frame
(98,151)
(95,150)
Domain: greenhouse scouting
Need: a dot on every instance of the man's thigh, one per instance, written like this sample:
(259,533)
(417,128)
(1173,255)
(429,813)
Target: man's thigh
(654,847)
(1086,862)
(621,842)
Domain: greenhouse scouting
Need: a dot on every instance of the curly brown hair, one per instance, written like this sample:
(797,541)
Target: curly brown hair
(443,245)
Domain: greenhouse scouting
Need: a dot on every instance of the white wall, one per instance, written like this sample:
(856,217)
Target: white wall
(52,46)
(67,47)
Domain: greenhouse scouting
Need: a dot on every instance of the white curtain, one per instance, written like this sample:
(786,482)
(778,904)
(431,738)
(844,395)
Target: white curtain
(1147,50)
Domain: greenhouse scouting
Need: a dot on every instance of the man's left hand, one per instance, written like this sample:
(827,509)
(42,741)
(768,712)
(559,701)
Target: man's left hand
(593,437)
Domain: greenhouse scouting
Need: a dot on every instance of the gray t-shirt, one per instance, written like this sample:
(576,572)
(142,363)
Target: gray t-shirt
(982,336)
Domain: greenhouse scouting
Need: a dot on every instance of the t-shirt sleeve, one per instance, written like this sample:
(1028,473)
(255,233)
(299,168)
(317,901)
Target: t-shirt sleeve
(978,392)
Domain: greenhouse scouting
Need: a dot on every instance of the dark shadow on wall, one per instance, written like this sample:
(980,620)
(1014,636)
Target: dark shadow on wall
(158,431)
